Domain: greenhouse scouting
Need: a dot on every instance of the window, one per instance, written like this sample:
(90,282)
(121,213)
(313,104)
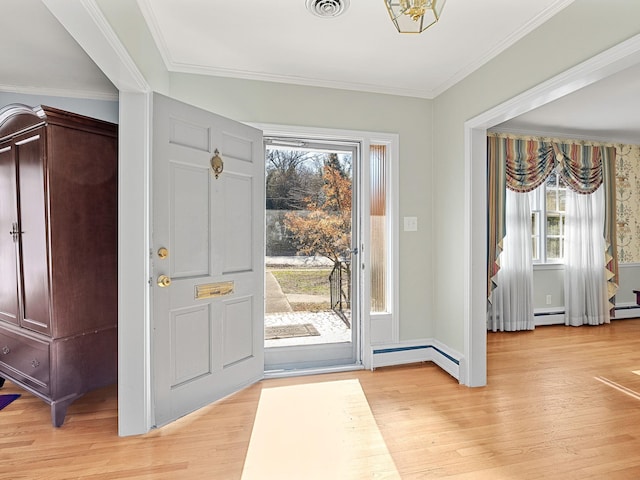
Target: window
(548,206)
(379,227)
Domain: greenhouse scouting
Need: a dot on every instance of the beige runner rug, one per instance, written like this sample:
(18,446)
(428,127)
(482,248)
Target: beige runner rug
(322,430)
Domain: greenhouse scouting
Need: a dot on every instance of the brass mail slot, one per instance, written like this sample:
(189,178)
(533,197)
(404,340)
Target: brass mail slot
(210,290)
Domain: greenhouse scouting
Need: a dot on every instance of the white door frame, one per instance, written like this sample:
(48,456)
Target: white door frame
(474,368)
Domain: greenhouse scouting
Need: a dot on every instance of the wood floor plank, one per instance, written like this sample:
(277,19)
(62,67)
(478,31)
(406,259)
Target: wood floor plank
(555,407)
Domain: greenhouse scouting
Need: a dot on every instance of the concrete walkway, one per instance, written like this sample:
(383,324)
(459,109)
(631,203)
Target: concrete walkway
(279,312)
(275,300)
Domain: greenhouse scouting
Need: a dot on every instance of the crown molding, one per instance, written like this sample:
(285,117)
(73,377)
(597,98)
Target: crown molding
(294,80)
(60,92)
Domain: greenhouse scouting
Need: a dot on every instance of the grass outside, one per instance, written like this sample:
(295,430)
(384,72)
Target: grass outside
(308,281)
(303,281)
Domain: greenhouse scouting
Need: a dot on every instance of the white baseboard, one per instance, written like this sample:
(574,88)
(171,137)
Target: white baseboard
(628,310)
(622,311)
(554,318)
(427,350)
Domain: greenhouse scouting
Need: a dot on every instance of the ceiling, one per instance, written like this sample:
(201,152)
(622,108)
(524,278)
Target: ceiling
(359,50)
(280,40)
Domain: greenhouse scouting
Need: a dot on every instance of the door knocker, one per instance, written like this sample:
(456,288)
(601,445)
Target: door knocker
(217,165)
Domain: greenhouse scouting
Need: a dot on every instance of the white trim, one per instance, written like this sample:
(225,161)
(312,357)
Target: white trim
(135,414)
(425,350)
(312,371)
(293,80)
(632,312)
(553,319)
(474,368)
(598,67)
(394,237)
(86,23)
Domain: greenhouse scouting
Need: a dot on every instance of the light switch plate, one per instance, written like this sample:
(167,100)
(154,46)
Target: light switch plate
(410,224)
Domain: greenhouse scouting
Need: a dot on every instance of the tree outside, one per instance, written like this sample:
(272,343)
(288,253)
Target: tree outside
(309,207)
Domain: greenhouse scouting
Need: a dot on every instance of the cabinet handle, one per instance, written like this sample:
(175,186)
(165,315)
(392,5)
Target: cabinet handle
(15,232)
(5,350)
(35,363)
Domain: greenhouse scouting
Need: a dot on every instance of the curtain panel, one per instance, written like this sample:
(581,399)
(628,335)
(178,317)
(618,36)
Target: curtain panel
(585,284)
(511,307)
(523,163)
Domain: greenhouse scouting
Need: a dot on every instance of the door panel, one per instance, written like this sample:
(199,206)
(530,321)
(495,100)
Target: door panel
(208,320)
(189,135)
(189,220)
(8,242)
(237,219)
(35,273)
(237,331)
(238,147)
(191,345)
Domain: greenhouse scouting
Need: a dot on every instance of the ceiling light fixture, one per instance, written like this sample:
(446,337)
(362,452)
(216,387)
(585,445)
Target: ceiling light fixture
(414,16)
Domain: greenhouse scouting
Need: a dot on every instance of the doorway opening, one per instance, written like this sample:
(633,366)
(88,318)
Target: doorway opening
(312,238)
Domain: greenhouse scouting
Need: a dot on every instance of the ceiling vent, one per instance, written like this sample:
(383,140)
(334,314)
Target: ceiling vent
(327,8)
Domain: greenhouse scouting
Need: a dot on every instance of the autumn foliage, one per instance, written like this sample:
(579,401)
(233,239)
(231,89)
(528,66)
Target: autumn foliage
(324,226)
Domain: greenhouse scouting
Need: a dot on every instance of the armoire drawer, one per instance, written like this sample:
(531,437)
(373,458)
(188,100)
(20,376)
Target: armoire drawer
(25,358)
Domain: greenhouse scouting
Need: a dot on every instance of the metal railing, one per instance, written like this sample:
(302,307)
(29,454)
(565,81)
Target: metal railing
(340,290)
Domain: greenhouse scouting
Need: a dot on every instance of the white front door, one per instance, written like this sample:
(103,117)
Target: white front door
(207,258)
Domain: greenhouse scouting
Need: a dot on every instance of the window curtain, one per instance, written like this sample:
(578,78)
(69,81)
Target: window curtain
(516,167)
(584,169)
(511,308)
(585,283)
(522,164)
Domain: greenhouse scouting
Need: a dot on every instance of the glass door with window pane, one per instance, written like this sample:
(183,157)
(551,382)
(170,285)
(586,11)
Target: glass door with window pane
(311,315)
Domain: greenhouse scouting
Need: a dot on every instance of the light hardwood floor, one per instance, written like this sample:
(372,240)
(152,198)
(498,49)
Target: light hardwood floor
(561,403)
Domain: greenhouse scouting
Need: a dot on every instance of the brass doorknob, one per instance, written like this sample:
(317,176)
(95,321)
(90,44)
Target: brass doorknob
(164,281)
(163,253)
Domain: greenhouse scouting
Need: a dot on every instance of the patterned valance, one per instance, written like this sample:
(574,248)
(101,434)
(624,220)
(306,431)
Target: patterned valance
(580,166)
(529,162)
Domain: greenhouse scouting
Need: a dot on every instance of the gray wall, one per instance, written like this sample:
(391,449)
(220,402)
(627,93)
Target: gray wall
(101,109)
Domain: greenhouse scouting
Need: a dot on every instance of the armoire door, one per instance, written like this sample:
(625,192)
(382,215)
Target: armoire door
(9,309)
(32,224)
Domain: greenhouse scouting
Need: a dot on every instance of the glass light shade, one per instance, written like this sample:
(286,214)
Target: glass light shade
(414,16)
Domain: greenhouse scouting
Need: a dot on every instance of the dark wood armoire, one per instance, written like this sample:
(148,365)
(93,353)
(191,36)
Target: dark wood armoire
(58,253)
